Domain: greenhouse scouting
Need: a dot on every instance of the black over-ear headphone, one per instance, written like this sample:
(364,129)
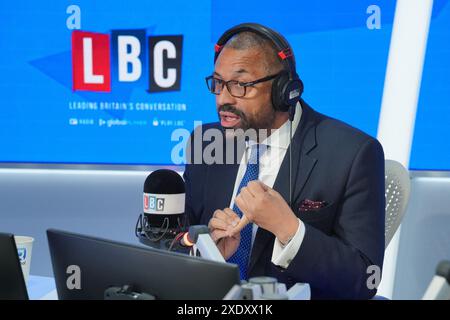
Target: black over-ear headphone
(287,87)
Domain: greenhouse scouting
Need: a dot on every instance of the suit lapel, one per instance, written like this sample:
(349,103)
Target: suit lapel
(304,140)
(304,166)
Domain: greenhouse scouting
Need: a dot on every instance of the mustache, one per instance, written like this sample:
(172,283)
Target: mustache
(232,109)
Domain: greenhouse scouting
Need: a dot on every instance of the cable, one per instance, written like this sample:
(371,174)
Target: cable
(290,165)
(291,119)
(153,239)
(177,238)
(138,228)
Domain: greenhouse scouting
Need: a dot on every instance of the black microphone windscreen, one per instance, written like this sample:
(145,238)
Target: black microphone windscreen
(164,181)
(163,215)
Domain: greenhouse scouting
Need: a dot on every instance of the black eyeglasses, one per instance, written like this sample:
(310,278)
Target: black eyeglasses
(235,88)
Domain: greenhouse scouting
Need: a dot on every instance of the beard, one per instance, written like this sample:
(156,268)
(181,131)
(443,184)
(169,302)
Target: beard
(264,119)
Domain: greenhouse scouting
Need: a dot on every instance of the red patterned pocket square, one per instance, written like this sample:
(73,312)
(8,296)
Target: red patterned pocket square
(310,205)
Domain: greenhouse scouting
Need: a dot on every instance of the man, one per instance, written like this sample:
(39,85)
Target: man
(315,202)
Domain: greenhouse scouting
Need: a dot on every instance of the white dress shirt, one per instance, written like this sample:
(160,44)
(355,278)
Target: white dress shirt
(269,165)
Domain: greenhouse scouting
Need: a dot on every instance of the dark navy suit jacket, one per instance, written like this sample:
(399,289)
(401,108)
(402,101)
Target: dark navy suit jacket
(332,162)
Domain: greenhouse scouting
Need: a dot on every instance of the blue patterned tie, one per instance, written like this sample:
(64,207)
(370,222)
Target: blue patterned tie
(242,255)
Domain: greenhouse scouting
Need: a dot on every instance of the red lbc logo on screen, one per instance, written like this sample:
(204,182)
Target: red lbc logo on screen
(91,61)
(134,55)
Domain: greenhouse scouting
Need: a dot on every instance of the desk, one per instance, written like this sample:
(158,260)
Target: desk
(44,288)
(41,288)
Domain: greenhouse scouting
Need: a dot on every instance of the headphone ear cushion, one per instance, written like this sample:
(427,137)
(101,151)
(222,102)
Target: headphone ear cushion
(278,92)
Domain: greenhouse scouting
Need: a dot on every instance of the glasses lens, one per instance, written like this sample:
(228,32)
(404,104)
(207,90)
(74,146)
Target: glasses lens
(235,89)
(214,85)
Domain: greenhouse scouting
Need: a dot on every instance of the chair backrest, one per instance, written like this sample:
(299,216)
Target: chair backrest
(397,189)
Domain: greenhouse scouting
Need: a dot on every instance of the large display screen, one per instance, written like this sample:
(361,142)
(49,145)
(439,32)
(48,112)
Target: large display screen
(109,82)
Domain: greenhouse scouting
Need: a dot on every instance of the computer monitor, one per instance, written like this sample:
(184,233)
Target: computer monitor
(12,283)
(101,264)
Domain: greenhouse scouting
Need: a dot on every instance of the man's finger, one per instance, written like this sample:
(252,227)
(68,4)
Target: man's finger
(241,203)
(273,192)
(247,197)
(241,225)
(232,216)
(215,223)
(217,234)
(220,214)
(247,190)
(264,186)
(256,187)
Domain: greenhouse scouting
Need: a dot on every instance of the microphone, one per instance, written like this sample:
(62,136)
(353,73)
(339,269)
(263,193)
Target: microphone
(163,216)
(199,241)
(186,241)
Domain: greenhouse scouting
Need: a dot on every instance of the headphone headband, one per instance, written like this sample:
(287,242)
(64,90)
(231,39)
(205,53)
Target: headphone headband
(287,87)
(283,48)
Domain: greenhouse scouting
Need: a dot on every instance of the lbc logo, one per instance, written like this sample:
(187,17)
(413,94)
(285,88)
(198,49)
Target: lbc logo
(153,203)
(22,252)
(97,58)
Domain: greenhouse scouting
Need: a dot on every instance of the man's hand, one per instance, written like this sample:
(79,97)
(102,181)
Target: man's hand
(267,208)
(221,225)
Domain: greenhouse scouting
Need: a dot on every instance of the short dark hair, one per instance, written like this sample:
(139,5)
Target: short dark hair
(251,40)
